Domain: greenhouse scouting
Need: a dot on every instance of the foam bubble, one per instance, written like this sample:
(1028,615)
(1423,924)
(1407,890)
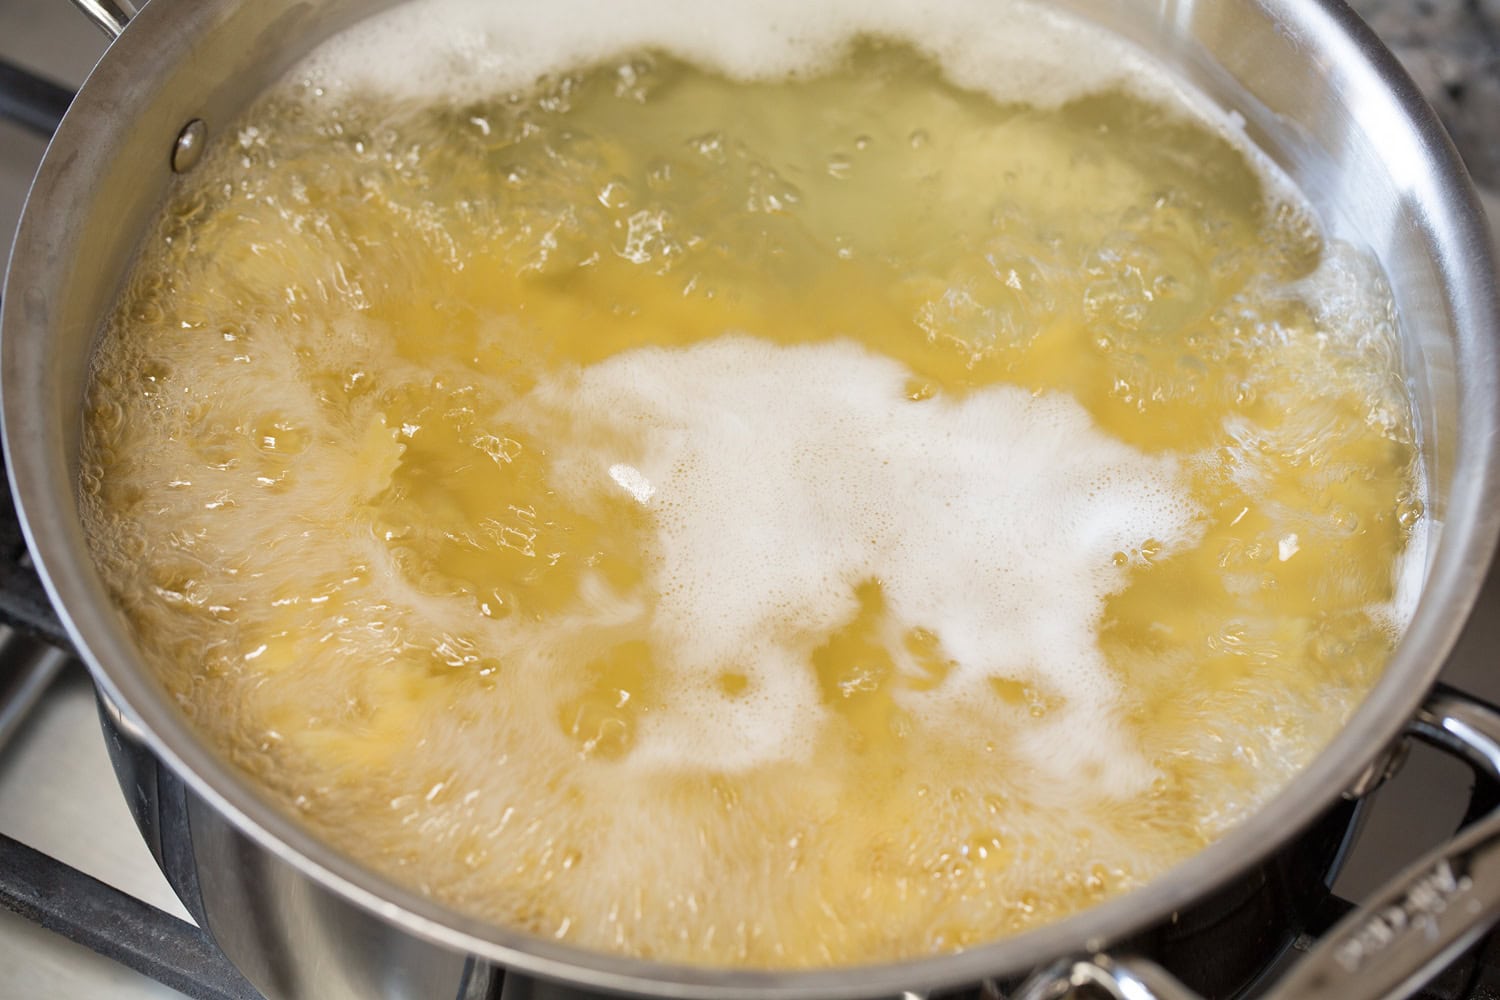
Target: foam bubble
(783,478)
(1012,50)
(1410,570)
(1356,317)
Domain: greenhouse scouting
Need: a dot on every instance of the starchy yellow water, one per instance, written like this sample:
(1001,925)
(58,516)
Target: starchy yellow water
(417,527)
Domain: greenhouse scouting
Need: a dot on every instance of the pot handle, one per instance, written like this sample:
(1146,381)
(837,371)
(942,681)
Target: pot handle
(110,16)
(1408,932)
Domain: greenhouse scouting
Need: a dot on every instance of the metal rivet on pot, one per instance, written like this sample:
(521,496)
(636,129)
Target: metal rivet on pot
(188,149)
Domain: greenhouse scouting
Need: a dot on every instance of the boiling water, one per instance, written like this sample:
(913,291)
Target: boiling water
(751,497)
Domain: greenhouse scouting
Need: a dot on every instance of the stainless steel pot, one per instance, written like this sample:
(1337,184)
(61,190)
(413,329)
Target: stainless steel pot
(1317,93)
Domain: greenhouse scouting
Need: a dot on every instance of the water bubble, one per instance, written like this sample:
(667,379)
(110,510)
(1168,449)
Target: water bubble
(709,145)
(660,175)
(918,390)
(1409,511)
(615,194)
(770,193)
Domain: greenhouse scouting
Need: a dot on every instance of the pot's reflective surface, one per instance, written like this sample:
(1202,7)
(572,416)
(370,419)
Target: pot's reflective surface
(267,916)
(1316,93)
(271,919)
(1392,944)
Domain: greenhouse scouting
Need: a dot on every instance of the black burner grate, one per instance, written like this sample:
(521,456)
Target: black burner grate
(23,601)
(38,105)
(116,925)
(30,101)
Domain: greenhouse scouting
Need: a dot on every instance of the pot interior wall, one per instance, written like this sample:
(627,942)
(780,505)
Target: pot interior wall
(1310,97)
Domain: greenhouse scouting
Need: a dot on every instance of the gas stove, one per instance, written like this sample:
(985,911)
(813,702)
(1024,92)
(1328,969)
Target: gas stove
(71,859)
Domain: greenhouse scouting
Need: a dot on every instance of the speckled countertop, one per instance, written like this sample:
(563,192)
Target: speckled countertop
(1451,48)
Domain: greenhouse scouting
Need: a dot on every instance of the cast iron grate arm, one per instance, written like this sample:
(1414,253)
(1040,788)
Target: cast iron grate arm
(116,925)
(33,102)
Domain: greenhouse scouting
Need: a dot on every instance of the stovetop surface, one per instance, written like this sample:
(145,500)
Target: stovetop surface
(57,791)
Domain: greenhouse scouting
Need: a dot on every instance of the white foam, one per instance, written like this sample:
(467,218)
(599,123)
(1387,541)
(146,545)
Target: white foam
(1410,571)
(631,481)
(781,478)
(1355,314)
(1012,49)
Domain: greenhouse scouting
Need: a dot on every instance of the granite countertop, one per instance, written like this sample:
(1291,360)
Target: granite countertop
(1451,48)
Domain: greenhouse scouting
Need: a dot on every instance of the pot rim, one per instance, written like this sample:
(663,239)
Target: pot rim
(1456,571)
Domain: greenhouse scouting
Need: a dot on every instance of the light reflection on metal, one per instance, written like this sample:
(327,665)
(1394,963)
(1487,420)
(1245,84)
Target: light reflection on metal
(110,16)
